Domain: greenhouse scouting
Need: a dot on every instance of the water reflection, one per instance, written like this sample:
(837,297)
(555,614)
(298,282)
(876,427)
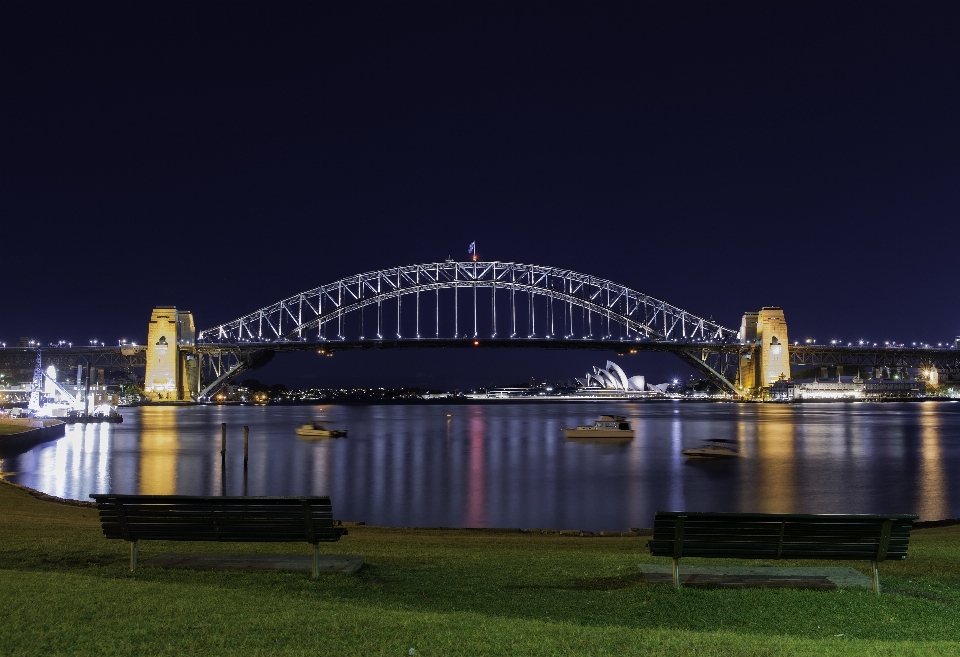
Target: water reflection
(932,484)
(510,466)
(159,449)
(476,515)
(775,457)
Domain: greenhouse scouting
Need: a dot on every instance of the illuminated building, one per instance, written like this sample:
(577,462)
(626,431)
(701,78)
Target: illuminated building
(894,389)
(853,388)
(786,390)
(611,377)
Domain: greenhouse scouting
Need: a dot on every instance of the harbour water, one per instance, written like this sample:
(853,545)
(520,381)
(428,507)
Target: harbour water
(508,464)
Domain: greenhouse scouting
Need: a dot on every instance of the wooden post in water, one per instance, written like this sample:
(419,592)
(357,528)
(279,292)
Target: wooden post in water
(223,458)
(246,445)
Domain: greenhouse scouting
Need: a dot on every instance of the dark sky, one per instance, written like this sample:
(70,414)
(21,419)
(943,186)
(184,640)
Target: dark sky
(719,156)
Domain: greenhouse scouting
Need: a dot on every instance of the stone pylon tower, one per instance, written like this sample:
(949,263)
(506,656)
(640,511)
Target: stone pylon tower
(774,346)
(770,359)
(172,366)
(748,370)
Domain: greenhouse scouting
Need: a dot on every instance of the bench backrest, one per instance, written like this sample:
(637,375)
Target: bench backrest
(781,536)
(189,518)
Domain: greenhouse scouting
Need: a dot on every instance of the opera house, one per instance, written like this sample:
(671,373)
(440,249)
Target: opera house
(611,381)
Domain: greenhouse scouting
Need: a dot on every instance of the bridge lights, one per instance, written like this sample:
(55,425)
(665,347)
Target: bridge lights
(476,343)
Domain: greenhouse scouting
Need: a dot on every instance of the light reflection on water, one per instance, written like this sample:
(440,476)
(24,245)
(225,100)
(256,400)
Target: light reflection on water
(508,465)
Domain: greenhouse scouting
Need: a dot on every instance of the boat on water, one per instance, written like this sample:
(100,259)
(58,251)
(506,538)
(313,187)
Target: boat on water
(608,426)
(100,414)
(319,430)
(716,448)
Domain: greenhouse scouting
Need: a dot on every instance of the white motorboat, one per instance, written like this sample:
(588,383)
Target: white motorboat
(716,448)
(608,426)
(318,430)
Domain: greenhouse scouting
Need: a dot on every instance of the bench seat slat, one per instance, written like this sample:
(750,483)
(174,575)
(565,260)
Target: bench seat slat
(186,513)
(222,518)
(767,517)
(774,527)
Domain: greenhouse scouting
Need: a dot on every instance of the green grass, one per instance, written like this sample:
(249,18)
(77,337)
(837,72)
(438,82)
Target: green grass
(64,589)
(11,427)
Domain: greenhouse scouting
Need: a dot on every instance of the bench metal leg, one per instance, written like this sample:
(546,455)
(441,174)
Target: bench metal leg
(133,556)
(676,573)
(876,577)
(316,560)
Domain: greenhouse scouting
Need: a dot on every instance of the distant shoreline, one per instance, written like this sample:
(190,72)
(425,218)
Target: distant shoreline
(532,400)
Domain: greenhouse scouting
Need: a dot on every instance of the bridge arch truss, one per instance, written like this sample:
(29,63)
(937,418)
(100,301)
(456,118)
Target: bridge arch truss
(534,302)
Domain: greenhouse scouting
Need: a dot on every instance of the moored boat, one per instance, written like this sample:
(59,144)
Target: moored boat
(608,426)
(100,415)
(319,430)
(716,448)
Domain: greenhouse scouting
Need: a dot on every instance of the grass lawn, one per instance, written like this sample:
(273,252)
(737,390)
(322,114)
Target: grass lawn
(10,427)
(64,589)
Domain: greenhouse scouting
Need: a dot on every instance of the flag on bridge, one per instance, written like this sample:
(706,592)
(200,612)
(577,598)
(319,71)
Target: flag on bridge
(472,249)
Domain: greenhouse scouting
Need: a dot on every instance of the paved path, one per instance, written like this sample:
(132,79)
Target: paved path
(329,563)
(757,576)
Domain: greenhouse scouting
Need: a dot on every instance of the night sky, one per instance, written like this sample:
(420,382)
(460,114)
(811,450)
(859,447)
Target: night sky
(719,156)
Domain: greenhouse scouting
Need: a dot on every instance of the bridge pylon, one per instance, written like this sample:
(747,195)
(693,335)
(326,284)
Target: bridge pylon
(769,358)
(173,370)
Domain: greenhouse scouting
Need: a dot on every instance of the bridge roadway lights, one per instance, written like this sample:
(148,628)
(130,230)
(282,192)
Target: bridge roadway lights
(226,361)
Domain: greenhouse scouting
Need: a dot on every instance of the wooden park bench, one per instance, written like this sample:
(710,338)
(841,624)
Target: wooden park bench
(238,519)
(873,538)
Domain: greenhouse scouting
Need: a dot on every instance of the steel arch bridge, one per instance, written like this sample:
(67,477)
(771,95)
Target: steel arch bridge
(456,303)
(641,315)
